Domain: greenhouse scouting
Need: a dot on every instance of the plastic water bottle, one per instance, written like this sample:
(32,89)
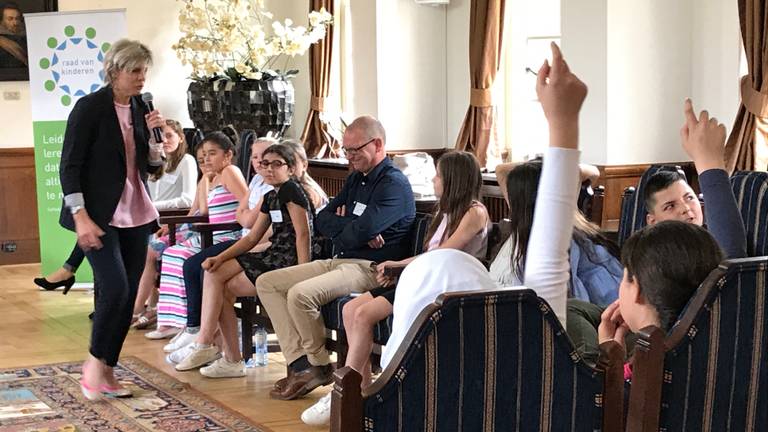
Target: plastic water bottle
(260,347)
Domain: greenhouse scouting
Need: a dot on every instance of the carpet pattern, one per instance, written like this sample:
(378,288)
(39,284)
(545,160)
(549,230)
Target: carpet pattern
(48,398)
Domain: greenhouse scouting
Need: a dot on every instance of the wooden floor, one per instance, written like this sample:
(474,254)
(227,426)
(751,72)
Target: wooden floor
(41,327)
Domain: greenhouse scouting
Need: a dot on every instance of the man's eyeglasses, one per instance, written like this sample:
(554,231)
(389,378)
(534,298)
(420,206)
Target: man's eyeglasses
(351,151)
(276,164)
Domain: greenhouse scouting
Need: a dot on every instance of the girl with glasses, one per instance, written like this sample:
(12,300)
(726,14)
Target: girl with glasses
(231,274)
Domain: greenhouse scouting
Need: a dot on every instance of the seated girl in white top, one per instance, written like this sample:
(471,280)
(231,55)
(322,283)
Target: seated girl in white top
(461,222)
(547,270)
(173,187)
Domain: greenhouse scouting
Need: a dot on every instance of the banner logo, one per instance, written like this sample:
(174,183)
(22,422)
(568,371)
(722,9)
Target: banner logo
(75,62)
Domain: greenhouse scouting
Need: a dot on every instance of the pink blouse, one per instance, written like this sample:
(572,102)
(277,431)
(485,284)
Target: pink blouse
(135,207)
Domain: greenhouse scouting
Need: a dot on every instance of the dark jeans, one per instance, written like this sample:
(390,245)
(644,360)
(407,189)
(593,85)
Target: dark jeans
(75,259)
(193,280)
(117,268)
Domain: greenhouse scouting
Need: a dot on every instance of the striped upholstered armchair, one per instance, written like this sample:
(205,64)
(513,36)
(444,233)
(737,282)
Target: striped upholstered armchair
(710,373)
(484,360)
(751,191)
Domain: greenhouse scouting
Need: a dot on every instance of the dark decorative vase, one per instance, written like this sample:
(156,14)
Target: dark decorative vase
(261,105)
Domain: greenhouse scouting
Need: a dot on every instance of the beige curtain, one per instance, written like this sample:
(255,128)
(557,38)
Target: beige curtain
(317,140)
(751,126)
(486,29)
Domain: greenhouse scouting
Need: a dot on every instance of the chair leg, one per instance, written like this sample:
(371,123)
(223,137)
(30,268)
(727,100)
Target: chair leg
(248,307)
(342,348)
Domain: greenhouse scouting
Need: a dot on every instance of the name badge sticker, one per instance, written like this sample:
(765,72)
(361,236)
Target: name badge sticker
(359,209)
(276,216)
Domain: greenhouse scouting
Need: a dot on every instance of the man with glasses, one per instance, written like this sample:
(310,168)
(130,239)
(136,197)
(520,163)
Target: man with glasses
(369,221)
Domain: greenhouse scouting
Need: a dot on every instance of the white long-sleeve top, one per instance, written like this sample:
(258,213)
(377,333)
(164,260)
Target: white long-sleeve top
(176,189)
(546,268)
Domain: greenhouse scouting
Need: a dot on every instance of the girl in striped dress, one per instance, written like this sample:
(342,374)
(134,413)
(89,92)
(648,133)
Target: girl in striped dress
(228,188)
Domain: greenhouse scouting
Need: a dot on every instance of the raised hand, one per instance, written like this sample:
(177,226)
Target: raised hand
(561,94)
(703,139)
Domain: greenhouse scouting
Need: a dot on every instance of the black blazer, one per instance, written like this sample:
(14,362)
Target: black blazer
(93,155)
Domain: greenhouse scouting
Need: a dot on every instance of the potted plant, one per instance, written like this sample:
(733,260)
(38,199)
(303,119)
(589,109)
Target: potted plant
(236,51)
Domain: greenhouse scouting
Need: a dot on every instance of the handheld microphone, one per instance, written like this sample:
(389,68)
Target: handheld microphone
(157,132)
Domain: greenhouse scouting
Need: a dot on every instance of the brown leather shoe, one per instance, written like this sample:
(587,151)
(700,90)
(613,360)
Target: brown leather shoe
(280,384)
(304,382)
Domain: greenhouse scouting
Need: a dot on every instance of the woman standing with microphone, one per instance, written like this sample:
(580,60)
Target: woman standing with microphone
(107,153)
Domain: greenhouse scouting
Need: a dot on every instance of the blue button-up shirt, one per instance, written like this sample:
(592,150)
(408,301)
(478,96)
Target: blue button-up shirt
(389,210)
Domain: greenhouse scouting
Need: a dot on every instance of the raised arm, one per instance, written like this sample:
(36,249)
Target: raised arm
(547,269)
(704,140)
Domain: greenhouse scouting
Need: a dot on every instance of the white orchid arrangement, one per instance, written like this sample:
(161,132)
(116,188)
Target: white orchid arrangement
(229,39)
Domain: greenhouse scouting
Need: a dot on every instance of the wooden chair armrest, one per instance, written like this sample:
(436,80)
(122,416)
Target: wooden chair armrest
(647,376)
(173,212)
(346,401)
(176,220)
(209,227)
(611,362)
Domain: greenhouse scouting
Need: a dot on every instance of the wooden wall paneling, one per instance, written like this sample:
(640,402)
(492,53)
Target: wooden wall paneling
(18,207)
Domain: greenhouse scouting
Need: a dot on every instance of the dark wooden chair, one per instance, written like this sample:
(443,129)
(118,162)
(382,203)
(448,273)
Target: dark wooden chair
(633,211)
(751,191)
(710,373)
(485,360)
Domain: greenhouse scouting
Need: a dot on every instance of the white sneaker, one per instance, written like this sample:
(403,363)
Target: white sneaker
(222,368)
(163,334)
(198,356)
(318,414)
(181,340)
(180,354)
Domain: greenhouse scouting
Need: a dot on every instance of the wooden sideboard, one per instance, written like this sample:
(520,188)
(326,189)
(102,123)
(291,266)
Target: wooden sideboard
(330,174)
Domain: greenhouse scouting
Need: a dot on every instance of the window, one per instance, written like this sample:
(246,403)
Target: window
(522,127)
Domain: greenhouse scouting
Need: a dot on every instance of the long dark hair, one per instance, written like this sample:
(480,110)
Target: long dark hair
(670,260)
(462,181)
(221,140)
(522,190)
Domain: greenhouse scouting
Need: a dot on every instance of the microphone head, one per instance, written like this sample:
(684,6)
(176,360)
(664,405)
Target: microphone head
(146,97)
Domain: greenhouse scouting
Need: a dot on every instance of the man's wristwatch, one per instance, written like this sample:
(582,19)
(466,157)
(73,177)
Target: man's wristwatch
(74,209)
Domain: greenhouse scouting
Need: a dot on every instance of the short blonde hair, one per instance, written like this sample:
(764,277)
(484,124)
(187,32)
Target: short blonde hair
(125,54)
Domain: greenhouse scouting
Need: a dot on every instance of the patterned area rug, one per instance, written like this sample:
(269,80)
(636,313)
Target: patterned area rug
(48,398)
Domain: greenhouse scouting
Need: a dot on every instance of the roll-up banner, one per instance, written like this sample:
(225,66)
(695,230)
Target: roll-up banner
(66,53)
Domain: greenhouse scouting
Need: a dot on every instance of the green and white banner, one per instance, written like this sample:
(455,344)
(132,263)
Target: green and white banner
(66,53)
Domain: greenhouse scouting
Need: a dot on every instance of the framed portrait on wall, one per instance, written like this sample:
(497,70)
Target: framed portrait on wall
(14,62)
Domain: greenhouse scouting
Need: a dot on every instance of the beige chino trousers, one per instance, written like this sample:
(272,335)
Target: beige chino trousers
(293,296)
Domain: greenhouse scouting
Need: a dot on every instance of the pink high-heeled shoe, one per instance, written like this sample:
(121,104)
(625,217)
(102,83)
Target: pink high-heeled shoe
(104,390)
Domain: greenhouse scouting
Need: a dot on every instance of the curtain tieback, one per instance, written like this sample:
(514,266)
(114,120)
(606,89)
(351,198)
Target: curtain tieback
(317,103)
(480,97)
(755,101)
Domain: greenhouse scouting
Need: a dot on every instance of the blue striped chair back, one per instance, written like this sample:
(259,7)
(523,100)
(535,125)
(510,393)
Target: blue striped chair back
(751,191)
(714,375)
(493,360)
(633,211)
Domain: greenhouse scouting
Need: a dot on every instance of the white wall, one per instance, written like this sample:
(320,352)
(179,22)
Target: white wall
(643,60)
(457,68)
(411,77)
(584,44)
